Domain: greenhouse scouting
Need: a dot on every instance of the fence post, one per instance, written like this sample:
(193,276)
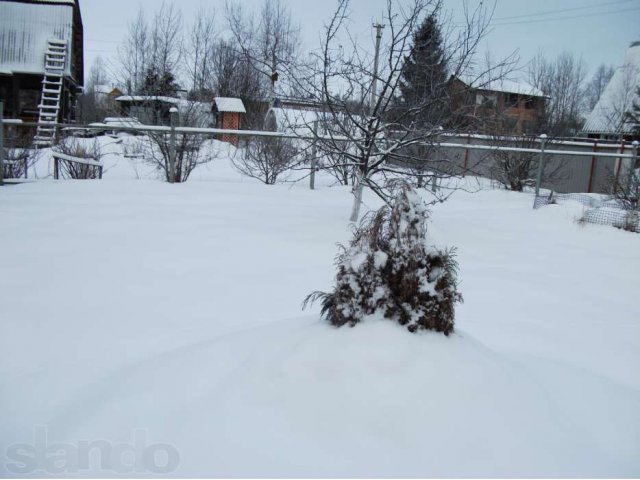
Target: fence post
(632,167)
(543,139)
(466,157)
(1,144)
(593,166)
(618,165)
(434,182)
(172,145)
(314,159)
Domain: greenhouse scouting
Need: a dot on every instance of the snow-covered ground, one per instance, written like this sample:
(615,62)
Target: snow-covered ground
(131,306)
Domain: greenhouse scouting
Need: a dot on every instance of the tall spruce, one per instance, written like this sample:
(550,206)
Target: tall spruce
(424,75)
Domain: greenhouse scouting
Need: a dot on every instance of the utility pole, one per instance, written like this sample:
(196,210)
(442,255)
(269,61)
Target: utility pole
(173,111)
(374,83)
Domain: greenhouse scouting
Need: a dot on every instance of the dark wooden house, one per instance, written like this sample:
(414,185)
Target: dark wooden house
(499,106)
(41,59)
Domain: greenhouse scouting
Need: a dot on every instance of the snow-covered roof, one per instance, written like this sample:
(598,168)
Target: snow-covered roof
(194,113)
(502,85)
(229,104)
(64,2)
(608,115)
(105,89)
(25,29)
(148,98)
(291,120)
(301,121)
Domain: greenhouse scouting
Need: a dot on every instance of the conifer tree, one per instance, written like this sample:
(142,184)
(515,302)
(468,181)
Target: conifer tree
(159,83)
(424,74)
(389,270)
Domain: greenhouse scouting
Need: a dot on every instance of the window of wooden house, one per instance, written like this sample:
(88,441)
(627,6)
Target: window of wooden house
(28,101)
(530,103)
(511,100)
(486,100)
(529,127)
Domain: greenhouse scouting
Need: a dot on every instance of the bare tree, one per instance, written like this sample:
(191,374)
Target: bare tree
(232,73)
(151,52)
(98,74)
(166,39)
(270,42)
(191,150)
(93,104)
(562,80)
(369,132)
(597,84)
(266,158)
(134,55)
(200,42)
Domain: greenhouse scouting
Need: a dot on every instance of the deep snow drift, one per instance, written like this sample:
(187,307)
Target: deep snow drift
(132,305)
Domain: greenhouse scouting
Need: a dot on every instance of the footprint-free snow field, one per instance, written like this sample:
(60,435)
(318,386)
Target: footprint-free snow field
(137,311)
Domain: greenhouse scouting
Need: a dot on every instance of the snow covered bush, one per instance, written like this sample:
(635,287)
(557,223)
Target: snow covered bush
(389,269)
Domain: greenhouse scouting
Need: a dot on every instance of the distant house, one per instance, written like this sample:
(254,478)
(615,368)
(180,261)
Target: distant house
(155,110)
(41,59)
(228,112)
(300,116)
(106,94)
(607,119)
(499,106)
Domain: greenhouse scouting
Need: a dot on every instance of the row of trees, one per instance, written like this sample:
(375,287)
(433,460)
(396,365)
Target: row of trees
(236,53)
(231,52)
(382,111)
(570,96)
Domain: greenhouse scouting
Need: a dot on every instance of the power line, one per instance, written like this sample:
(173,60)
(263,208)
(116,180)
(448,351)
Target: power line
(549,12)
(572,17)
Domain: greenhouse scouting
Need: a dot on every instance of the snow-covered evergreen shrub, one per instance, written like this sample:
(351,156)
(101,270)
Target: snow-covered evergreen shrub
(389,269)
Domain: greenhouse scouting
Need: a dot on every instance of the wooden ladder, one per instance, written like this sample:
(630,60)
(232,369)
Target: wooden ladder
(49,107)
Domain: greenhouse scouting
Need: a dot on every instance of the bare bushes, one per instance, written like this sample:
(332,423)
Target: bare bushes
(389,269)
(18,154)
(627,191)
(82,149)
(191,150)
(17,161)
(267,158)
(627,197)
(517,170)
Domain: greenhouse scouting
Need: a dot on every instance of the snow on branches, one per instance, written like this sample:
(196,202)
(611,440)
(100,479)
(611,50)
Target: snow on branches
(389,269)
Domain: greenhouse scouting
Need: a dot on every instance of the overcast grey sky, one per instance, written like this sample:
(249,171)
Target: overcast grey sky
(598,30)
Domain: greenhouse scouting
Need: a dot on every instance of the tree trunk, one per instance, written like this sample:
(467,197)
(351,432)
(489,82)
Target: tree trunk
(357,198)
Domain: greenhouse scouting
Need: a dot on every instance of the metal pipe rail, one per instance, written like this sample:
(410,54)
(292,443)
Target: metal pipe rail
(532,150)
